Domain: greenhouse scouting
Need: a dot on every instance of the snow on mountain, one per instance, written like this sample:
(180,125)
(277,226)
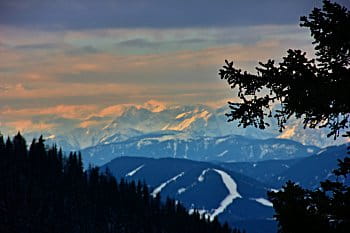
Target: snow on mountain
(201,177)
(162,185)
(263,171)
(122,122)
(230,190)
(308,171)
(134,171)
(263,201)
(233,193)
(295,131)
(208,188)
(196,120)
(231,148)
(230,185)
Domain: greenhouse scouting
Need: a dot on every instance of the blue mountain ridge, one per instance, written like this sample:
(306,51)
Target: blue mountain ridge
(308,171)
(231,148)
(199,185)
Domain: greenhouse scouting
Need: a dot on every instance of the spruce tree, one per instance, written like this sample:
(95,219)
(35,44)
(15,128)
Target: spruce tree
(317,91)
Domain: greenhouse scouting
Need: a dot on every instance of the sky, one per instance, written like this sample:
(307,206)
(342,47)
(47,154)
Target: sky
(73,58)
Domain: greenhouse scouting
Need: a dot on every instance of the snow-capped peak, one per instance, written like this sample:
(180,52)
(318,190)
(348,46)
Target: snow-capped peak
(154,106)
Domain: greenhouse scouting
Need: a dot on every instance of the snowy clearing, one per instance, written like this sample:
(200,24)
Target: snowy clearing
(201,177)
(134,171)
(233,193)
(263,201)
(160,187)
(181,190)
(223,153)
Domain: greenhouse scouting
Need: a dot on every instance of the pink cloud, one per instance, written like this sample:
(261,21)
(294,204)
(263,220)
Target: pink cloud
(28,125)
(66,111)
(180,76)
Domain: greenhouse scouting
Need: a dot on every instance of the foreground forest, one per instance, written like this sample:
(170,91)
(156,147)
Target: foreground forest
(44,191)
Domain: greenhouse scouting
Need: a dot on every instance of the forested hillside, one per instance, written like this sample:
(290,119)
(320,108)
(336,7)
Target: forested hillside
(44,191)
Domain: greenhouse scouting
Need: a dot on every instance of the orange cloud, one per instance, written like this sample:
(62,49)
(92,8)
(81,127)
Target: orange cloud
(40,66)
(28,125)
(66,111)
(87,124)
(19,91)
(174,76)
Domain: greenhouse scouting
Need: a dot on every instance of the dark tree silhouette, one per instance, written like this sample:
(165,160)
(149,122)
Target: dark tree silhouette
(316,90)
(324,210)
(42,191)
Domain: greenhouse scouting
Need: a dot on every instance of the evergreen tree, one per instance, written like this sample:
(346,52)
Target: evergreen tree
(316,90)
(44,192)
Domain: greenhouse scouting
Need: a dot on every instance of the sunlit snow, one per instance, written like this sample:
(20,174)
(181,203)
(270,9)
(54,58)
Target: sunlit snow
(201,177)
(263,201)
(181,190)
(220,140)
(160,187)
(134,171)
(223,153)
(233,193)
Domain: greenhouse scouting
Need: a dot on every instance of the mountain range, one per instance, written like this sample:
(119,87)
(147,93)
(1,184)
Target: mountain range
(236,192)
(192,154)
(232,148)
(206,187)
(308,171)
(121,122)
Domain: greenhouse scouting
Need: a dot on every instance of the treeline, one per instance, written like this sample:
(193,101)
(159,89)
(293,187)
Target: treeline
(41,190)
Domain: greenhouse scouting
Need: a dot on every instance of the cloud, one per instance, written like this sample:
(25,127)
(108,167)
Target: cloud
(65,117)
(24,125)
(4,88)
(106,76)
(59,118)
(85,14)
(73,60)
(38,46)
(19,91)
(147,44)
(108,67)
(65,111)
(139,43)
(84,50)
(62,118)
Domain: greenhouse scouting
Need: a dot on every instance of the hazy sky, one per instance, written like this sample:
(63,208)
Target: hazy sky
(77,57)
